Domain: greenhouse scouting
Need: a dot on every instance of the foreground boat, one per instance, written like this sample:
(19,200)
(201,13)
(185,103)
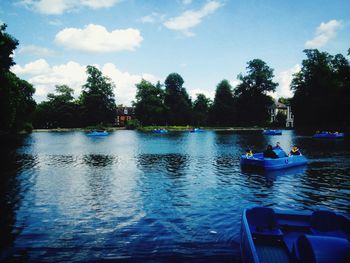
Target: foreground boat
(258,161)
(97,133)
(272,132)
(328,135)
(269,236)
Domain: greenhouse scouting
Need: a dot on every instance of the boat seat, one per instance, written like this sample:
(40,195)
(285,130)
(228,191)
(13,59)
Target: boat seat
(262,222)
(328,223)
(321,249)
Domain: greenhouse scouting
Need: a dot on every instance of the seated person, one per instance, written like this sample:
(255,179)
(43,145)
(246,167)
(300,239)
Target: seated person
(269,153)
(249,153)
(277,146)
(295,151)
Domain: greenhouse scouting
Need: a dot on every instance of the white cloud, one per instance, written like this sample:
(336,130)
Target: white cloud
(150,18)
(324,33)
(191,18)
(284,79)
(36,67)
(55,22)
(44,78)
(95,38)
(194,92)
(36,50)
(57,7)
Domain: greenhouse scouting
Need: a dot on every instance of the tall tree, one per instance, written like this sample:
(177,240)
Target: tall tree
(59,111)
(222,110)
(201,110)
(251,97)
(322,90)
(177,102)
(97,98)
(149,107)
(16,102)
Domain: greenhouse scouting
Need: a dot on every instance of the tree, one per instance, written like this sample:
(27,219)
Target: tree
(177,102)
(97,98)
(201,110)
(322,90)
(59,111)
(149,107)
(222,110)
(251,97)
(16,102)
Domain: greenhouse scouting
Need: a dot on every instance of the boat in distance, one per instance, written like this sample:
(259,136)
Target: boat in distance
(328,135)
(272,132)
(258,161)
(97,133)
(160,131)
(279,236)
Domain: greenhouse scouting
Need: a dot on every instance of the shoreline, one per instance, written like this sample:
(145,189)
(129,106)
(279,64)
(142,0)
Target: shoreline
(150,128)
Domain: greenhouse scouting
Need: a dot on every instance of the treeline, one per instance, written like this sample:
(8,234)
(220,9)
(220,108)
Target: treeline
(170,104)
(95,105)
(16,95)
(321,97)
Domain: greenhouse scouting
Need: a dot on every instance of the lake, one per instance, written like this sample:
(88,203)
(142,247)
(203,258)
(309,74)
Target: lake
(134,196)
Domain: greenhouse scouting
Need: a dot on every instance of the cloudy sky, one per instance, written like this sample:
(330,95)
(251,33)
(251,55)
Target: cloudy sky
(203,40)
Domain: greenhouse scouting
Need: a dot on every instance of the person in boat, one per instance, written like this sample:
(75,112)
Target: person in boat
(249,153)
(269,153)
(295,151)
(277,146)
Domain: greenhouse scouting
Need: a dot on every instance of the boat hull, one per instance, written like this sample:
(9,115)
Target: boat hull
(328,136)
(272,132)
(257,161)
(97,134)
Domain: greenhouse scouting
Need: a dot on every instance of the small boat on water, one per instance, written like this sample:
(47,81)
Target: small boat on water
(160,131)
(272,132)
(328,135)
(272,236)
(258,161)
(97,133)
(196,130)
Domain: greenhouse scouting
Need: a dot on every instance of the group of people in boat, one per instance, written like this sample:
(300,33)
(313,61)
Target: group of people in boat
(270,153)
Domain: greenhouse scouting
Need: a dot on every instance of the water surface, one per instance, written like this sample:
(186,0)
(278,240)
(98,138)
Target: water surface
(152,197)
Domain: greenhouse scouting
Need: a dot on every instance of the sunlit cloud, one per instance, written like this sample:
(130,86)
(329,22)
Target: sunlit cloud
(36,50)
(284,78)
(45,77)
(190,18)
(96,38)
(57,7)
(324,33)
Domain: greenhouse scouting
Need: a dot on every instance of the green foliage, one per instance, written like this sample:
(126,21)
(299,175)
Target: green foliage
(251,97)
(149,107)
(285,101)
(177,102)
(201,110)
(222,110)
(16,102)
(97,99)
(133,124)
(60,111)
(322,90)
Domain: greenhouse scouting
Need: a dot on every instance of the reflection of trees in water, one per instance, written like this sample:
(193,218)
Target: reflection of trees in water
(99,160)
(173,164)
(14,183)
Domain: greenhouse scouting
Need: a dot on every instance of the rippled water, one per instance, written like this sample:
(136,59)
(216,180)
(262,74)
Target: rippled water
(152,197)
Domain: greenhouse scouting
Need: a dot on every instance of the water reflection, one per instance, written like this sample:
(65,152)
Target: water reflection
(98,160)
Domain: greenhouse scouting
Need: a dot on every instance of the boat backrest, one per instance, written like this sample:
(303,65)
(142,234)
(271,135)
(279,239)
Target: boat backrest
(325,221)
(317,249)
(262,217)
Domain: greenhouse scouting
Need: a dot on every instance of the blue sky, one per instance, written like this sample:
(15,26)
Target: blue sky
(204,41)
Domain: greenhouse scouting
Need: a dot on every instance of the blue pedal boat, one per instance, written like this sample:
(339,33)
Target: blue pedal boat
(272,132)
(97,133)
(328,135)
(160,131)
(258,161)
(273,236)
(197,130)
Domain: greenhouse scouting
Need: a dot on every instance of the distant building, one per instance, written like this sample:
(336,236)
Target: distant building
(124,114)
(279,107)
